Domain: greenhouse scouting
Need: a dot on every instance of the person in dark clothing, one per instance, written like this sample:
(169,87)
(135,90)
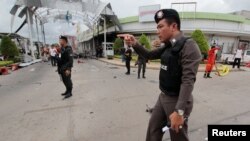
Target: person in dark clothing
(97,52)
(65,65)
(101,52)
(141,61)
(128,57)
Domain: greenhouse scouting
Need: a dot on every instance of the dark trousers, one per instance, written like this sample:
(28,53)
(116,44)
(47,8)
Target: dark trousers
(53,60)
(141,65)
(97,54)
(67,82)
(128,65)
(164,107)
(237,62)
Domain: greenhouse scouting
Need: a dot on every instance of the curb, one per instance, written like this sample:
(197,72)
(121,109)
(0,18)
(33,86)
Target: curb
(156,68)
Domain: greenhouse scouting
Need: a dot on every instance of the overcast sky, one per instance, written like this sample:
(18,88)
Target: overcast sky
(122,8)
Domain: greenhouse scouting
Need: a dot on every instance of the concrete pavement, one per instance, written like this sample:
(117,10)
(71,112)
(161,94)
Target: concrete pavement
(107,105)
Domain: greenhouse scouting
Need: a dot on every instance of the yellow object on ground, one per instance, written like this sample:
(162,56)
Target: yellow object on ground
(223,70)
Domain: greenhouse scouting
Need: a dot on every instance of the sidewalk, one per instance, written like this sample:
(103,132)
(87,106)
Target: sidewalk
(156,65)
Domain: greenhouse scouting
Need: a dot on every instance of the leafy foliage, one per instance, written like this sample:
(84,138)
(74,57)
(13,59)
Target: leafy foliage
(145,41)
(118,44)
(200,39)
(8,48)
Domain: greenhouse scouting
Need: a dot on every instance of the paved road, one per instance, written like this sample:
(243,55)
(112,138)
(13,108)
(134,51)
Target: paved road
(107,105)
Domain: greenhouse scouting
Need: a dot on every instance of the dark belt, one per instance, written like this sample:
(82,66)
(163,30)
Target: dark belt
(174,94)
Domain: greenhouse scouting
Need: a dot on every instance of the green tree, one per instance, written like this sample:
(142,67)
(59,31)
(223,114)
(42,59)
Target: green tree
(118,44)
(145,41)
(201,40)
(8,48)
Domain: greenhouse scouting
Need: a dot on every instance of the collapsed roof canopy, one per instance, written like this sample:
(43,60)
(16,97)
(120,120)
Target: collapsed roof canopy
(90,11)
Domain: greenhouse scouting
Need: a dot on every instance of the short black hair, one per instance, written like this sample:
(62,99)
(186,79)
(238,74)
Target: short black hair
(172,20)
(170,15)
(64,38)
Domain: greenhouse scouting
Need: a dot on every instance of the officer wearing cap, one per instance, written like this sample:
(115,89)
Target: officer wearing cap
(65,64)
(180,58)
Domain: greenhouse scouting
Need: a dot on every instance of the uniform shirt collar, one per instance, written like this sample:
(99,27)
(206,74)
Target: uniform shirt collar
(173,40)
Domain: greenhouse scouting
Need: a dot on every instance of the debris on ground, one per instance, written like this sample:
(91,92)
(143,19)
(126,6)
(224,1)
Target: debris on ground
(149,110)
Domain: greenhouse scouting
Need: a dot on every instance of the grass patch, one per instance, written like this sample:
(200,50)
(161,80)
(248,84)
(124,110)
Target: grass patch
(5,63)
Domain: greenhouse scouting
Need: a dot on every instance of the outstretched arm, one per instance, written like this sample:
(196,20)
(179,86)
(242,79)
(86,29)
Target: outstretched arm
(150,55)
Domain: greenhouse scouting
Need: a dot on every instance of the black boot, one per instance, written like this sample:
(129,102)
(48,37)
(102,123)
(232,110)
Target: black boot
(68,94)
(65,93)
(127,73)
(143,76)
(205,75)
(208,75)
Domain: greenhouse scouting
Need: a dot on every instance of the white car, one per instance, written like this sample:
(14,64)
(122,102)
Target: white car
(229,58)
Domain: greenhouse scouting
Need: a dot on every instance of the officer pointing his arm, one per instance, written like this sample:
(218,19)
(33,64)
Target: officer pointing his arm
(66,63)
(180,58)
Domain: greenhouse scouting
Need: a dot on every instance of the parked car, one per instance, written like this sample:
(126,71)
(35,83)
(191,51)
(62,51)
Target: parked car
(229,58)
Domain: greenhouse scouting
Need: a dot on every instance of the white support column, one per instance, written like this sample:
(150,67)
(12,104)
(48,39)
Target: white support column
(29,18)
(105,34)
(42,32)
(37,30)
(93,48)
(37,33)
(26,46)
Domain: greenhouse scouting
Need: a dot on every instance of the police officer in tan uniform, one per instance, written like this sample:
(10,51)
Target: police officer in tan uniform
(180,58)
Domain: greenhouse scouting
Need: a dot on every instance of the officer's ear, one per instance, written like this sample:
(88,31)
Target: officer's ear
(174,26)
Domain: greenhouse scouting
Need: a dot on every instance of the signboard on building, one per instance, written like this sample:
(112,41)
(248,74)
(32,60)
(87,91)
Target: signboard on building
(146,13)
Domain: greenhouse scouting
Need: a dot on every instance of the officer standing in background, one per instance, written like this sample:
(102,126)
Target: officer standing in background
(141,61)
(65,65)
(180,58)
(128,58)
